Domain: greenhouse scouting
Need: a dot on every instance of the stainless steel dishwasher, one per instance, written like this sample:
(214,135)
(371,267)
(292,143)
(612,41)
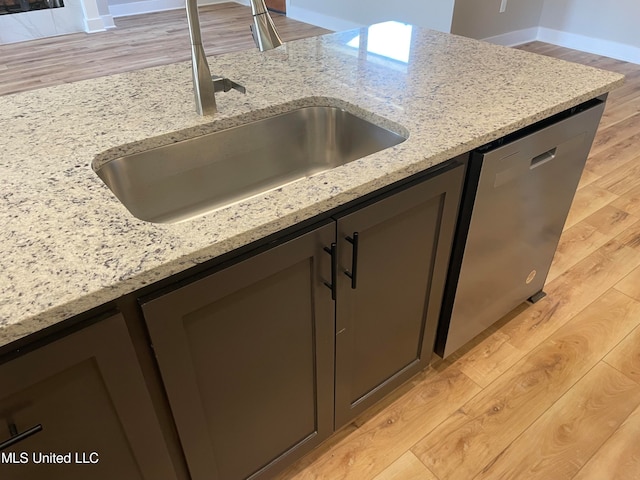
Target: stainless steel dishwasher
(517,196)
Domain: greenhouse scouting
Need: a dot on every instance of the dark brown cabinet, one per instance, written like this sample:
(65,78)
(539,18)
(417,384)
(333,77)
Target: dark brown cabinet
(84,398)
(393,260)
(246,355)
(259,362)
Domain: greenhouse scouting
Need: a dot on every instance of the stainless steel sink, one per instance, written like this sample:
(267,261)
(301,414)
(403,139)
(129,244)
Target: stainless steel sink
(188,178)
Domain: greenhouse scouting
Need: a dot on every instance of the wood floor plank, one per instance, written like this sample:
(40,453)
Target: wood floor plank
(576,243)
(631,237)
(627,91)
(407,467)
(629,202)
(630,284)
(587,178)
(484,427)
(587,201)
(622,179)
(485,358)
(610,221)
(562,440)
(368,450)
(615,156)
(619,457)
(625,357)
(620,112)
(139,41)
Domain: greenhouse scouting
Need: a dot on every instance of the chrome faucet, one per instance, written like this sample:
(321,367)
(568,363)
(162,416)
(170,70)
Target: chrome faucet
(264,34)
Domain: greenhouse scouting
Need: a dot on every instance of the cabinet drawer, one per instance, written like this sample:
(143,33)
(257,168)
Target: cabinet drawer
(87,393)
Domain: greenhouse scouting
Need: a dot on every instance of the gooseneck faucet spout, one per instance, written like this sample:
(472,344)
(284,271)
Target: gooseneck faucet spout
(263,30)
(202,83)
(264,34)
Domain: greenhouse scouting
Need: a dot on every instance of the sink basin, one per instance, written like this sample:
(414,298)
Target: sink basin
(191,177)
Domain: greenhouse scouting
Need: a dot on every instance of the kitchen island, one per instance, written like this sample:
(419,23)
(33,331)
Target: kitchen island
(68,245)
(74,257)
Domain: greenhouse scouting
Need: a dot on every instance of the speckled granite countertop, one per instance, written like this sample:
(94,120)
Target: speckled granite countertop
(66,243)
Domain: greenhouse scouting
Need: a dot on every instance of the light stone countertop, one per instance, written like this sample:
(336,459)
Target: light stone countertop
(67,244)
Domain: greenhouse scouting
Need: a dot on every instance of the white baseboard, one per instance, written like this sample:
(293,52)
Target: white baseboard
(517,37)
(149,6)
(320,20)
(107,21)
(93,25)
(607,48)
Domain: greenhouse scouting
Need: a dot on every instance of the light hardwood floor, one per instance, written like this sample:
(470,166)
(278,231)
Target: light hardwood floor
(552,391)
(138,41)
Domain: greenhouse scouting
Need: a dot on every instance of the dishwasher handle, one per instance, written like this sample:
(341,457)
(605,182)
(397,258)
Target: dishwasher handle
(543,158)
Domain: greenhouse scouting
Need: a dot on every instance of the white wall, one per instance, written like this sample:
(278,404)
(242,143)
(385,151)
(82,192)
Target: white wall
(597,26)
(617,21)
(343,14)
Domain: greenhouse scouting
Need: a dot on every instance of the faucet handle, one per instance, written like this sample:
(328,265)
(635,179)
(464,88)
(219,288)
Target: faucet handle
(222,84)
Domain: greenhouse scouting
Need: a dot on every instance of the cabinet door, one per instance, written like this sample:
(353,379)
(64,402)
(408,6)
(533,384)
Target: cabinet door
(87,394)
(246,356)
(386,320)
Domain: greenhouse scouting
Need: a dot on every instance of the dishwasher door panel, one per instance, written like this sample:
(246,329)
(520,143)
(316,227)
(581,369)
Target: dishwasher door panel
(524,192)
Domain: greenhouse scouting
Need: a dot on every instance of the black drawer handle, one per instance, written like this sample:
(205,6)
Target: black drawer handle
(353,274)
(18,437)
(334,268)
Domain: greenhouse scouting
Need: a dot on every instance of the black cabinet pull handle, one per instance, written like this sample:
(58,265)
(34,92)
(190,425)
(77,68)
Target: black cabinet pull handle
(353,274)
(334,269)
(18,437)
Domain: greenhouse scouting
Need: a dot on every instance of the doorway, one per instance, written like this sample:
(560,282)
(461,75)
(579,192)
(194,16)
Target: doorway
(279,6)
